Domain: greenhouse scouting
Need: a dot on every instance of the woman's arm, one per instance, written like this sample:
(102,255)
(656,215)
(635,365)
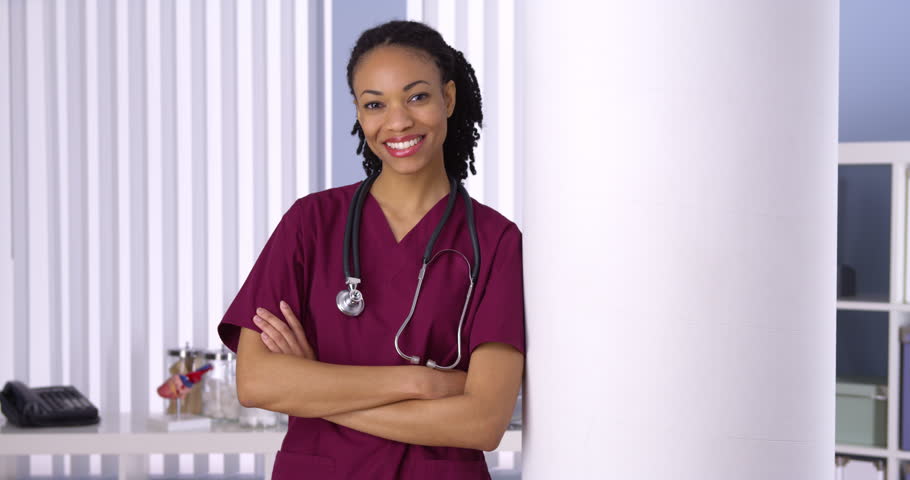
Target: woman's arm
(477,419)
(308,388)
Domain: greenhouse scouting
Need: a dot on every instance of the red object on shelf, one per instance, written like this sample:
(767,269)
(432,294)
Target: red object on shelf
(177,386)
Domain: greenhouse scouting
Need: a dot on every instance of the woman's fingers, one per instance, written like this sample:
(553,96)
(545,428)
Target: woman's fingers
(277,330)
(269,343)
(283,336)
(276,342)
(297,328)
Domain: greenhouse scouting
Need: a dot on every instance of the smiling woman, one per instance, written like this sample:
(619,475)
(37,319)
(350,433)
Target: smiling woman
(359,406)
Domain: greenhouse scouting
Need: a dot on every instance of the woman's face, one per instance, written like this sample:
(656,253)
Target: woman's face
(402,108)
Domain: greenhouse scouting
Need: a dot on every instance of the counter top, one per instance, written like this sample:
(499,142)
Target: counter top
(138,435)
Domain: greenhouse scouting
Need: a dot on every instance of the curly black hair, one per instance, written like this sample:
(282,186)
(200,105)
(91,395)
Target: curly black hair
(462,135)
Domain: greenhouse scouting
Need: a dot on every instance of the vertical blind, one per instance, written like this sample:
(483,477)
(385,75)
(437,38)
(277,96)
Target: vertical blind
(148,149)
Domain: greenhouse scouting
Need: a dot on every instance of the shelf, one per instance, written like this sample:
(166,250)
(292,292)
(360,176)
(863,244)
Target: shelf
(862,451)
(872,306)
(865,306)
(873,153)
(126,436)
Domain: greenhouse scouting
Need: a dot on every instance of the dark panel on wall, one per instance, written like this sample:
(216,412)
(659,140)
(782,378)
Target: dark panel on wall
(864,231)
(862,344)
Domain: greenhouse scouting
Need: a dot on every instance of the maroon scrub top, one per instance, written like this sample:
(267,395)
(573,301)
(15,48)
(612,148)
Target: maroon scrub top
(302,264)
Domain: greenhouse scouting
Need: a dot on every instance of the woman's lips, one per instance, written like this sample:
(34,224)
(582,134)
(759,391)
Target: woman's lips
(405,151)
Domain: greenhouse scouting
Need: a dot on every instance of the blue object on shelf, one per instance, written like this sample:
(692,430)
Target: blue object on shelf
(905,388)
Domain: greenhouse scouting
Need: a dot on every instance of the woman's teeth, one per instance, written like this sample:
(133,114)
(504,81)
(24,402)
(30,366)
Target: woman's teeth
(403,145)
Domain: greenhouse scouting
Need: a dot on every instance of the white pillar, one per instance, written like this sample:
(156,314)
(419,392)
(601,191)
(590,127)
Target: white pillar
(679,238)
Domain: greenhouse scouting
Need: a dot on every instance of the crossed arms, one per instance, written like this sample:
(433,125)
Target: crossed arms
(409,403)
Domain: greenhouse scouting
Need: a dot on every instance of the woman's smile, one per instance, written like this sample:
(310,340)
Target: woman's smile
(404,146)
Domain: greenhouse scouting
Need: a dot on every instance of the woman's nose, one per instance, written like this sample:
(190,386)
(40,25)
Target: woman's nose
(399,118)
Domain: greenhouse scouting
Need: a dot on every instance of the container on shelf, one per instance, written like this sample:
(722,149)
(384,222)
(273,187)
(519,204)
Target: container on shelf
(219,387)
(257,418)
(861,411)
(183,360)
(219,391)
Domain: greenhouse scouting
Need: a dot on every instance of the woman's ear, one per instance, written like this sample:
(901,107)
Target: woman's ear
(449,90)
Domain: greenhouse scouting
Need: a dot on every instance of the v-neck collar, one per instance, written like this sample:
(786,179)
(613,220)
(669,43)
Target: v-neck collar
(433,215)
(391,257)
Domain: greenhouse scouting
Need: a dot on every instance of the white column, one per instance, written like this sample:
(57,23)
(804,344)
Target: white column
(679,238)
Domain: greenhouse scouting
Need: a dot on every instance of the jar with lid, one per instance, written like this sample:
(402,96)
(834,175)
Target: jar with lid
(182,361)
(219,388)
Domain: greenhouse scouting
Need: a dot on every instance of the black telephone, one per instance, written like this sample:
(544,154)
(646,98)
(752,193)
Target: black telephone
(46,406)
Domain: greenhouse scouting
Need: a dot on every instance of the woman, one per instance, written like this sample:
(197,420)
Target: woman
(362,402)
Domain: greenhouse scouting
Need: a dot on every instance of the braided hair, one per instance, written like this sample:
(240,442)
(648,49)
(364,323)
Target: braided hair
(462,134)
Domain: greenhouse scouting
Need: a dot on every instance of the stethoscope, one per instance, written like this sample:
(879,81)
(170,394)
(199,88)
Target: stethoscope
(350,301)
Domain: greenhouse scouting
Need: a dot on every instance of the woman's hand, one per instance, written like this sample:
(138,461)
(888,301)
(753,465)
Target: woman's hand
(281,337)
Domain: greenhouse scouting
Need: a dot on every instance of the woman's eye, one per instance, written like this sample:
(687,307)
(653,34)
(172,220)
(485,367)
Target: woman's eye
(419,96)
(371,105)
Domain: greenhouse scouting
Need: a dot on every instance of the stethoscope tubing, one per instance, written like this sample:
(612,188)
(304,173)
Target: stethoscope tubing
(415,359)
(352,277)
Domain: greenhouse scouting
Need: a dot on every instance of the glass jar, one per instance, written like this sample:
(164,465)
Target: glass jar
(219,386)
(258,418)
(182,361)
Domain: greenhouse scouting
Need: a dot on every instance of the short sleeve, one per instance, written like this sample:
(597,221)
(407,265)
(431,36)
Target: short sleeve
(277,274)
(500,314)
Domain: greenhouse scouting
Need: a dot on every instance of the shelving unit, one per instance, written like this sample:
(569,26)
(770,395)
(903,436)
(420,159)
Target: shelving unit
(895,300)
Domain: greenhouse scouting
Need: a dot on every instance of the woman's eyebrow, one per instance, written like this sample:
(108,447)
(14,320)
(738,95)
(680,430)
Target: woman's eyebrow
(406,88)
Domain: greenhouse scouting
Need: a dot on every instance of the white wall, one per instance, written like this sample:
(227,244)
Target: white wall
(686,328)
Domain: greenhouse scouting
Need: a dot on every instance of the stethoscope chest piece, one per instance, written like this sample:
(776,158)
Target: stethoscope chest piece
(350,300)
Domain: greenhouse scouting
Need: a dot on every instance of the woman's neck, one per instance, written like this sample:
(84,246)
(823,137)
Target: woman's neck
(411,194)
